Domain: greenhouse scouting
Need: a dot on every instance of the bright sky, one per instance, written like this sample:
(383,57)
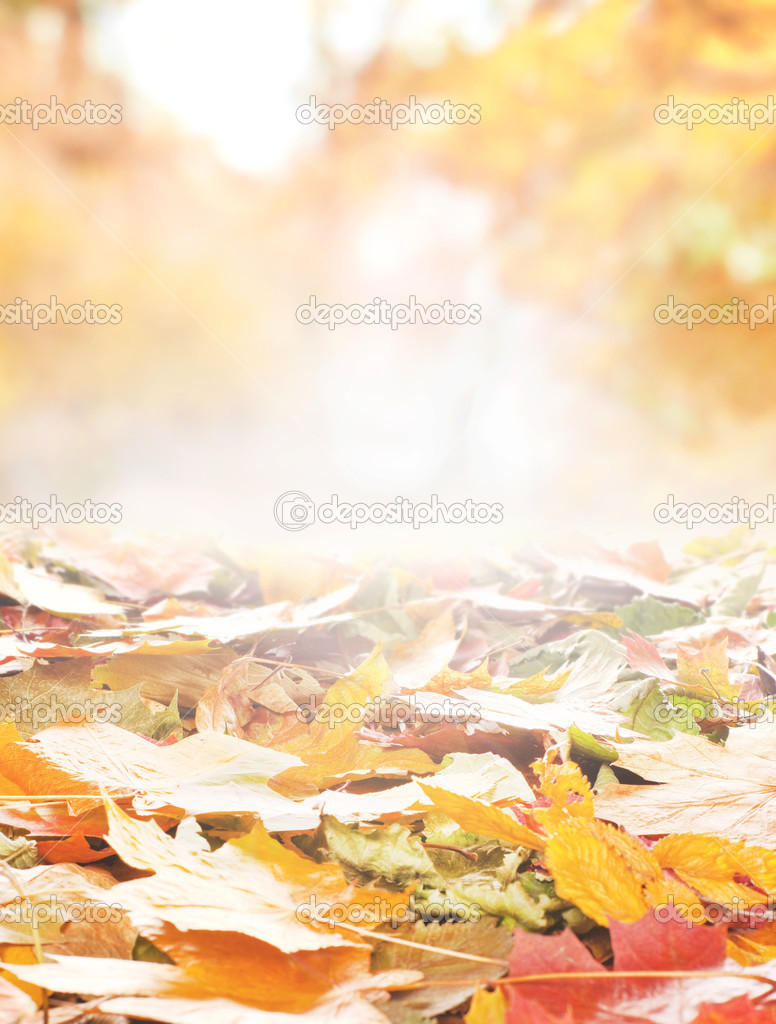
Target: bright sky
(237,71)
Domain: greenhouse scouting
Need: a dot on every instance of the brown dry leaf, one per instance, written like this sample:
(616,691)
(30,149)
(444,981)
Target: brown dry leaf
(189,674)
(231,703)
(337,1010)
(251,885)
(706,787)
(80,759)
(226,706)
(138,569)
(413,664)
(330,744)
(257,972)
(448,978)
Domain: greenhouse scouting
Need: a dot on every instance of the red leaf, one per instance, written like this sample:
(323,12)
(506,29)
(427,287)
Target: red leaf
(647,945)
(652,945)
(736,1011)
(645,657)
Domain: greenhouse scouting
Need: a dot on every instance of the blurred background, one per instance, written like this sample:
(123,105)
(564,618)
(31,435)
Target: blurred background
(210,213)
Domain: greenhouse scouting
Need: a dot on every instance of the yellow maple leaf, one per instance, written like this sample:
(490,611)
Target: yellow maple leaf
(330,746)
(592,620)
(753,946)
(705,672)
(607,873)
(449,679)
(487,1007)
(538,685)
(592,865)
(482,818)
(562,783)
(711,864)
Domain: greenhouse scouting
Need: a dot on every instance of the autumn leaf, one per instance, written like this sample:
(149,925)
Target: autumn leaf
(482,818)
(449,680)
(487,1007)
(251,885)
(568,791)
(705,672)
(712,866)
(609,874)
(720,790)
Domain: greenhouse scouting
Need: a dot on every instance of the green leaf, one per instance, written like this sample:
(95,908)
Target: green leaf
(585,745)
(650,714)
(146,950)
(737,595)
(512,902)
(390,854)
(647,616)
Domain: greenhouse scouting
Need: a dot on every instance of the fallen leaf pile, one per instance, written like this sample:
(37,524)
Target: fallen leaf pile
(529,788)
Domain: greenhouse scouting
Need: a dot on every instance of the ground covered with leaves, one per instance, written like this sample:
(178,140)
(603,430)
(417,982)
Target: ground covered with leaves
(536,787)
